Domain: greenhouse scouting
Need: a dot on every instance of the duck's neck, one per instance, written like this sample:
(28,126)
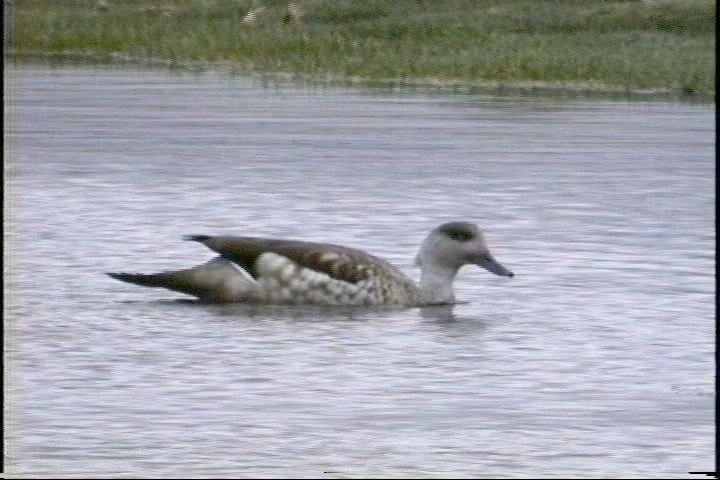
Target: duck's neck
(436,283)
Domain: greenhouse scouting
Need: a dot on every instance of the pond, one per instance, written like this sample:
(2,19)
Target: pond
(596,359)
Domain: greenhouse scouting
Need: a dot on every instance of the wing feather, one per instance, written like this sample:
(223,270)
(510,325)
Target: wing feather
(341,263)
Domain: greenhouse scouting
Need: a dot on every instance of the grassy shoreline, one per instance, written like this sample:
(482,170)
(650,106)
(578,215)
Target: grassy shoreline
(649,47)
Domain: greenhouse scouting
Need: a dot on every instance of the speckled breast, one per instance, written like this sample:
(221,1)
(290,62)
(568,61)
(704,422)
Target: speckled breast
(281,280)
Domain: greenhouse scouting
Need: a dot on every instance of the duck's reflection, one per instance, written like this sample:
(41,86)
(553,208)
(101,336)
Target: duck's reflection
(438,313)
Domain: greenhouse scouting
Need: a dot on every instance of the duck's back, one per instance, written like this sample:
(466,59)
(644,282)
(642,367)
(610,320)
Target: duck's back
(293,271)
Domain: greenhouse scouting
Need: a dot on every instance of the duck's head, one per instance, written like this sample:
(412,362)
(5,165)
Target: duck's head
(454,244)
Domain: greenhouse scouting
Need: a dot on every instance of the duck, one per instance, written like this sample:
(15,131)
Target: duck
(281,271)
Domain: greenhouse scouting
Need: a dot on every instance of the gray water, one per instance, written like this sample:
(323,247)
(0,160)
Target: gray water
(595,360)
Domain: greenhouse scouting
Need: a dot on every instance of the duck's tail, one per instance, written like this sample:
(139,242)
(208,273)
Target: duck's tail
(218,280)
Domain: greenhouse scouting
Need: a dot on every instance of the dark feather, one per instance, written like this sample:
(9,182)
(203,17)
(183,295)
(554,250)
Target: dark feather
(351,265)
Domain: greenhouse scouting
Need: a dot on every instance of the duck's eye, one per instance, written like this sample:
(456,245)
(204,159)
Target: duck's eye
(460,236)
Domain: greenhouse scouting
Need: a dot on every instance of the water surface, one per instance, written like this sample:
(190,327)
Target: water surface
(595,360)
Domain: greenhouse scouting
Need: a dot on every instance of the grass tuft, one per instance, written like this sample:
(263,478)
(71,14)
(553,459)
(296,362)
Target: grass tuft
(666,45)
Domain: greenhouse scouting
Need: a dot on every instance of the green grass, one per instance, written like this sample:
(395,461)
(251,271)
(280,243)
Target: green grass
(624,45)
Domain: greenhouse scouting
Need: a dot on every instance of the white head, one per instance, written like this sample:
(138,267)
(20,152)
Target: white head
(449,247)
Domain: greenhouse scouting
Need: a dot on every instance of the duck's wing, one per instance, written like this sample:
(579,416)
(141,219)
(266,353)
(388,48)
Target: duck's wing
(338,262)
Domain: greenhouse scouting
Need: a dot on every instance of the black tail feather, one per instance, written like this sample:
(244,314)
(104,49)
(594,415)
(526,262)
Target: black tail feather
(197,238)
(154,280)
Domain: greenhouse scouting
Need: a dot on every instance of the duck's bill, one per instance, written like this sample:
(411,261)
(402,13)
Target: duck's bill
(493,266)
